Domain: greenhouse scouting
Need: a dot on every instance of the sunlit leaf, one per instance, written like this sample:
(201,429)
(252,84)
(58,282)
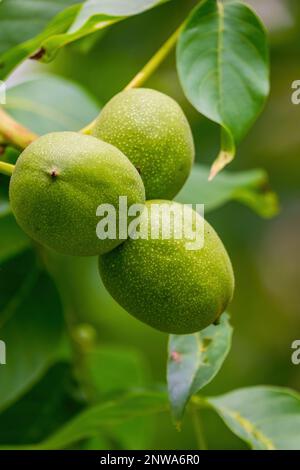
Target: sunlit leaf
(57,23)
(24,25)
(223,66)
(114,8)
(92,17)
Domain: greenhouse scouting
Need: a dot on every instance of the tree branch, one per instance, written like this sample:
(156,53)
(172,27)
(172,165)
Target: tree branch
(14,132)
(148,69)
(155,61)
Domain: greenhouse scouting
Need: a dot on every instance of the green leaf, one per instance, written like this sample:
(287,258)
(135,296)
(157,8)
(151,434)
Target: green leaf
(99,442)
(25,24)
(4,209)
(31,325)
(114,369)
(12,239)
(39,413)
(57,23)
(4,205)
(194,360)
(55,42)
(16,19)
(223,65)
(10,155)
(113,8)
(248,187)
(47,103)
(94,16)
(105,416)
(267,418)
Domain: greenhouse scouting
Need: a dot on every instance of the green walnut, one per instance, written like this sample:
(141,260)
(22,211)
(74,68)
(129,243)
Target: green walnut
(59,182)
(162,280)
(151,129)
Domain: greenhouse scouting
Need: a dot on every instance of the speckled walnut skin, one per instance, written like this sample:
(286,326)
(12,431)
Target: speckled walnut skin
(166,286)
(151,129)
(58,183)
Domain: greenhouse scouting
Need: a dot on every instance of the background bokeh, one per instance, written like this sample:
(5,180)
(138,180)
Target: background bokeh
(265,253)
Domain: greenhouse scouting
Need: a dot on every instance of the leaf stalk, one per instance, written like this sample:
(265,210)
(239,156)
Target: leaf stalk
(148,70)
